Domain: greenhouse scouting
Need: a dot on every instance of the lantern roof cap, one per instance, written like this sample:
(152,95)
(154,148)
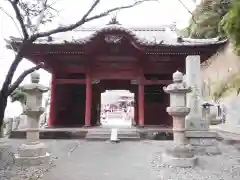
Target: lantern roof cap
(177,76)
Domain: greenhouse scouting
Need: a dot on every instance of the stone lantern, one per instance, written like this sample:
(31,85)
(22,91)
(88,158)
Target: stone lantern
(180,154)
(211,118)
(33,152)
(206,110)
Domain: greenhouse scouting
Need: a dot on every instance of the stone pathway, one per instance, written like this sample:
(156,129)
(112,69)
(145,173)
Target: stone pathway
(74,160)
(105,161)
(116,119)
(228,133)
(227,128)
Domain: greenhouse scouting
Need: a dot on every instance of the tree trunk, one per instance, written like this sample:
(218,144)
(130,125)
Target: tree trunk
(3,105)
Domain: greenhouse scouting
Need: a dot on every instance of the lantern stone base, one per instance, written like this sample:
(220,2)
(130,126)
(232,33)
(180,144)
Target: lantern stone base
(203,142)
(32,161)
(32,154)
(179,156)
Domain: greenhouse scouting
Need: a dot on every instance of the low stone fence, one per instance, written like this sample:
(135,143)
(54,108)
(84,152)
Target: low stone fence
(7,126)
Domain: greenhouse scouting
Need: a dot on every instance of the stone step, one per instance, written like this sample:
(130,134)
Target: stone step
(52,134)
(106,134)
(113,117)
(228,138)
(109,132)
(115,113)
(106,138)
(128,135)
(97,137)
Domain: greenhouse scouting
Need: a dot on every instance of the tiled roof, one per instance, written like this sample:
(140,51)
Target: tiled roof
(143,35)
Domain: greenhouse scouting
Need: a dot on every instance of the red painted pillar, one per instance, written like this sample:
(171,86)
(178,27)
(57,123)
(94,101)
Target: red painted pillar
(136,108)
(52,113)
(88,103)
(141,103)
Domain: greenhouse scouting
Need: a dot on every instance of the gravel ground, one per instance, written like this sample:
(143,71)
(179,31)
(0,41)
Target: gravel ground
(221,167)
(74,160)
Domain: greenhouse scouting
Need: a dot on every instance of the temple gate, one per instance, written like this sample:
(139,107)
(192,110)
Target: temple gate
(141,60)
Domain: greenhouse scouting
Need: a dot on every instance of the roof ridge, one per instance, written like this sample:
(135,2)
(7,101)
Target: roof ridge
(130,28)
(137,28)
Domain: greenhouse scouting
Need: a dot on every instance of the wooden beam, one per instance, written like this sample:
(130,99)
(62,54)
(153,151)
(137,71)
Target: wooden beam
(163,68)
(71,69)
(70,81)
(124,75)
(157,82)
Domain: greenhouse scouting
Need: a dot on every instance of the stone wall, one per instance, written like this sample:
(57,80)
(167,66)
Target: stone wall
(219,67)
(232,104)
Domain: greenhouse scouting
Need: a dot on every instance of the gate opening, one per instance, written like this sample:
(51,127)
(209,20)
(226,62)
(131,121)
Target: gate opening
(117,108)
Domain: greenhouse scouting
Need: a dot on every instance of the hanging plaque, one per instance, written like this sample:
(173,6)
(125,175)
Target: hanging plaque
(113,39)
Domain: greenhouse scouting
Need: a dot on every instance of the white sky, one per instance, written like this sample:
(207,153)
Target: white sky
(147,14)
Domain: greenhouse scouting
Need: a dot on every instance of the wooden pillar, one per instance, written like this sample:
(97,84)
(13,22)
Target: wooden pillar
(141,103)
(99,109)
(136,108)
(52,113)
(88,103)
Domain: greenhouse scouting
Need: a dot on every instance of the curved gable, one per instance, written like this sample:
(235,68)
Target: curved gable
(114,34)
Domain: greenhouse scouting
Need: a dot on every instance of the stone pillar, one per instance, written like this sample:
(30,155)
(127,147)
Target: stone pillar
(33,152)
(180,154)
(197,132)
(193,80)
(52,116)
(141,103)
(88,104)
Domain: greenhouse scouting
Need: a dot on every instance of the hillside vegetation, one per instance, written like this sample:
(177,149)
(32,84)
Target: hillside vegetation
(206,19)
(218,18)
(231,24)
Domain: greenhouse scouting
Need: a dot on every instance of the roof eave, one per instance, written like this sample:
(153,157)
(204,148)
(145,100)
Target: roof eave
(15,43)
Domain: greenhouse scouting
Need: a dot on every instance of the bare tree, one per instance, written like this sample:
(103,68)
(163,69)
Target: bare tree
(40,11)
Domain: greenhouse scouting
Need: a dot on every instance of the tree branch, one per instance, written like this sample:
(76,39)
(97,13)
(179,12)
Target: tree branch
(22,76)
(91,9)
(19,18)
(84,19)
(13,67)
(44,6)
(15,1)
(188,11)
(15,23)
